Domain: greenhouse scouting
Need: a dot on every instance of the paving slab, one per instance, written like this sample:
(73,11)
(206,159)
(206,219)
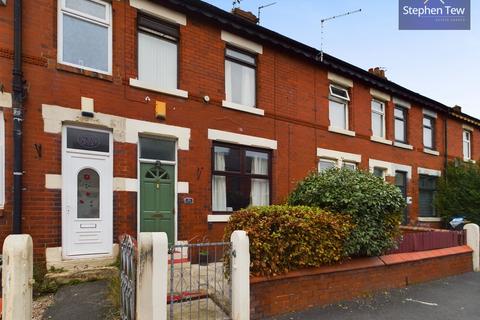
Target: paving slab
(86,301)
(450,298)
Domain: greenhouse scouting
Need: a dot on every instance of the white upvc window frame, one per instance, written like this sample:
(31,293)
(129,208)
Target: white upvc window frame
(338,163)
(347,164)
(382,170)
(432,128)
(334,162)
(107,22)
(382,115)
(341,100)
(231,59)
(333,86)
(338,158)
(467,133)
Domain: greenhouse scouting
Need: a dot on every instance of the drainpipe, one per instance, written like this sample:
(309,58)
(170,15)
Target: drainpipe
(18,95)
(446,143)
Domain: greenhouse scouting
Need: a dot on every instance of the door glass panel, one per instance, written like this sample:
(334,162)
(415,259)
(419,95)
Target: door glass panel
(88,194)
(157,173)
(88,140)
(157,149)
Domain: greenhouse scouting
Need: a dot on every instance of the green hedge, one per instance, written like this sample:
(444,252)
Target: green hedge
(285,238)
(374,206)
(458,192)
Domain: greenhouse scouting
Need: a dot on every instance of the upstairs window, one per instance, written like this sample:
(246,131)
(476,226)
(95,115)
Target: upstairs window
(240,77)
(400,115)
(428,132)
(338,107)
(157,52)
(378,119)
(467,145)
(241,177)
(85,34)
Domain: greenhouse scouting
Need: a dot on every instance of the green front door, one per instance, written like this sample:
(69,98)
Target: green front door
(157,199)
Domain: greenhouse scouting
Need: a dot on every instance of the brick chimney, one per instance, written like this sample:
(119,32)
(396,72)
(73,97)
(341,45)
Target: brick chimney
(379,72)
(457,108)
(246,15)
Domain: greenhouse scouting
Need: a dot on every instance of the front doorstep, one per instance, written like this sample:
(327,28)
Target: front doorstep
(56,261)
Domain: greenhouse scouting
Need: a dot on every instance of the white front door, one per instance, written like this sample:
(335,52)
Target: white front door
(87,192)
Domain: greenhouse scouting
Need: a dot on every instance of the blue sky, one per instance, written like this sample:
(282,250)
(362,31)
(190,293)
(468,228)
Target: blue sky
(443,65)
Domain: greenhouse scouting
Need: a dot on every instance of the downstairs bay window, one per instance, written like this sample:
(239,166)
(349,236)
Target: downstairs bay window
(240,178)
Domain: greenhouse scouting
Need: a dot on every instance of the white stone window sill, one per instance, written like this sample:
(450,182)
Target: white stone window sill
(432,152)
(341,131)
(469,160)
(430,219)
(381,140)
(218,218)
(243,108)
(152,87)
(403,145)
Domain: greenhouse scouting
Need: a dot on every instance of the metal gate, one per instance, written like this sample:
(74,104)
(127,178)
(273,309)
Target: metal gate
(128,276)
(199,285)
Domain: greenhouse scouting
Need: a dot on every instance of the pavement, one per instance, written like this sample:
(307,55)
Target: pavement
(455,298)
(85,301)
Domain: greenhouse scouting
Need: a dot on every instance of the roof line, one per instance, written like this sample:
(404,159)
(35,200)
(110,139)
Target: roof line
(235,23)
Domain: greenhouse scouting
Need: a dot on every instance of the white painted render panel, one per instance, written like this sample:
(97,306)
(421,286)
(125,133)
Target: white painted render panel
(336,155)
(159,11)
(241,42)
(242,139)
(335,78)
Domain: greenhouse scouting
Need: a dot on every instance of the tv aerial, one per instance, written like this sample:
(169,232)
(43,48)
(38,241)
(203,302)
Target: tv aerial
(332,18)
(263,7)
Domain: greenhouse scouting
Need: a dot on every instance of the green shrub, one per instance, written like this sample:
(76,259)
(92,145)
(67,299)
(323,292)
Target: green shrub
(458,192)
(374,206)
(284,238)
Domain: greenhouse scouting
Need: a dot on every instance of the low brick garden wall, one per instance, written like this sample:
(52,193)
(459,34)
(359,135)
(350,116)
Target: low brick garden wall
(300,290)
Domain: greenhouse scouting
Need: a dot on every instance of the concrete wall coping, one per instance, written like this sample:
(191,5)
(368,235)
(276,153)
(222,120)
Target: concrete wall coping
(365,263)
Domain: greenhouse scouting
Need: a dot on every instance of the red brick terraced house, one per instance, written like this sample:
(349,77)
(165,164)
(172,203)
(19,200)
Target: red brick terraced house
(168,115)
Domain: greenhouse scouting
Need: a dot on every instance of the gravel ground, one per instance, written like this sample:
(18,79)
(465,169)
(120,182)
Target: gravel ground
(40,304)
